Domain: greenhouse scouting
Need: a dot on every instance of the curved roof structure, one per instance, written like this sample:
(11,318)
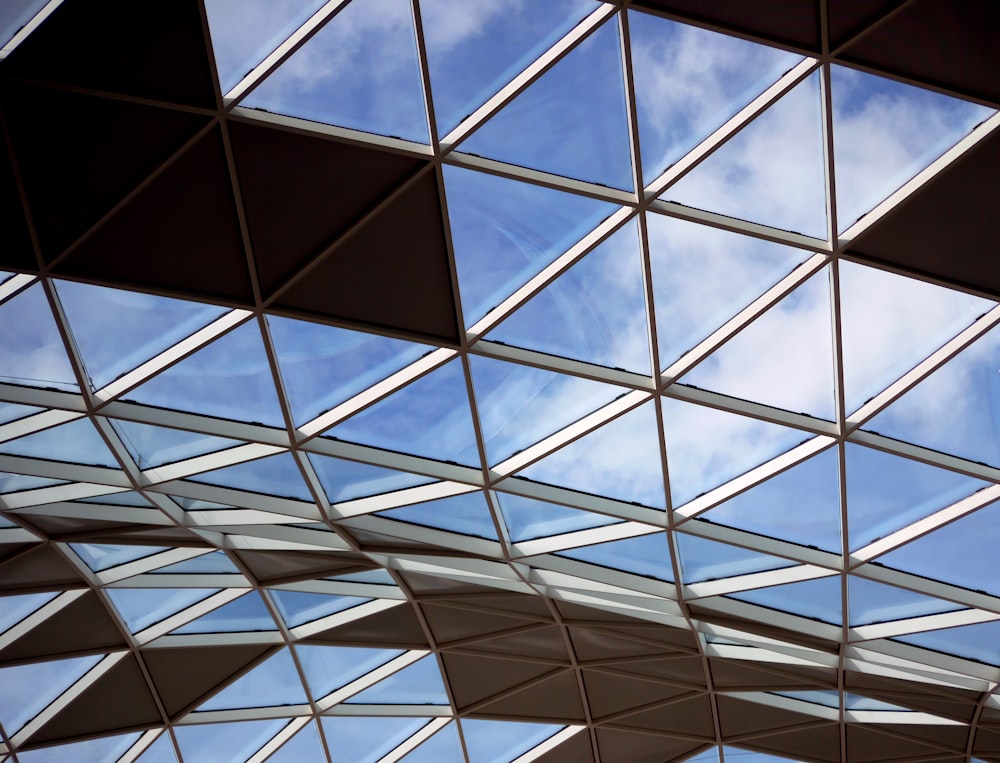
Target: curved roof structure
(425,380)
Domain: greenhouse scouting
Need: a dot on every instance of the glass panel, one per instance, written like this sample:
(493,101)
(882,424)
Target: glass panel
(801,505)
(416,684)
(332,79)
(443,747)
(689,81)
(467,514)
(272,683)
(375,577)
(707,447)
(13,609)
(783,358)
(889,323)
(76,442)
(346,480)
(429,417)
(736,755)
(160,751)
(330,667)
(104,556)
(527,518)
(581,103)
(702,559)
(504,232)
(503,741)
(229,378)
(246,614)
(521,405)
(353,739)
(34,353)
(14,483)
(14,15)
(118,330)
(274,475)
(704,276)
(870,602)
(824,698)
(301,748)
(620,460)
(143,607)
(26,690)
(297,608)
(646,555)
(818,599)
(885,132)
(322,366)
(771,172)
(234,742)
(13,411)
(213,563)
(152,446)
(979,642)
(106,750)
(595,311)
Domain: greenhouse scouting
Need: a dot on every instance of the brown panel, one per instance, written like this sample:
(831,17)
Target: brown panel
(730,674)
(576,749)
(941,42)
(545,643)
(300,192)
(598,645)
(181,233)
(428,584)
(987,742)
(739,717)
(397,627)
(184,676)
(556,699)
(393,272)
(625,747)
(473,679)
(451,624)
(948,229)
(864,745)
(515,603)
(80,155)
(821,743)
(849,17)
(691,716)
(17,251)
(39,567)
(274,566)
(685,670)
(610,694)
(82,626)
(123,47)
(118,702)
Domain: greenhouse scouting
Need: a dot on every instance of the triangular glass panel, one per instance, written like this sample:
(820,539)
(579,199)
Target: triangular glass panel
(14,411)
(581,102)
(210,743)
(708,447)
(367,740)
(328,668)
(619,460)
(771,172)
(322,366)
(151,446)
(703,276)
(503,741)
(889,323)
(886,492)
(467,514)
(213,563)
(646,555)
(416,684)
(230,378)
(784,358)
(76,442)
(143,607)
(160,751)
(947,411)
(869,602)
(102,750)
(118,330)
(520,405)
(738,755)
(243,34)
(443,747)
(703,559)
(689,81)
(504,232)
(346,480)
(429,417)
(331,79)
(297,608)
(801,505)
(301,748)
(26,690)
(529,518)
(13,609)
(272,683)
(274,475)
(979,642)
(104,556)
(962,552)
(819,599)
(244,615)
(14,483)
(33,354)
(473,50)
(595,311)
(13,16)
(885,132)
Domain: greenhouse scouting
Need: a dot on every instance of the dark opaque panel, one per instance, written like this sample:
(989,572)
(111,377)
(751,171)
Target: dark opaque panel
(393,272)
(450,624)
(17,251)
(36,568)
(576,749)
(738,717)
(80,155)
(940,42)
(474,679)
(300,192)
(848,18)
(121,46)
(555,699)
(179,233)
(82,626)
(950,227)
(120,701)
(688,716)
(609,694)
(822,743)
(793,22)
(397,628)
(865,745)
(630,747)
(288,566)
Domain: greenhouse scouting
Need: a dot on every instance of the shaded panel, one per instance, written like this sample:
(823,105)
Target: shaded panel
(285,566)
(38,567)
(397,627)
(690,716)
(473,679)
(81,626)
(846,20)
(611,694)
(641,748)
(737,717)
(821,743)
(556,699)
(17,251)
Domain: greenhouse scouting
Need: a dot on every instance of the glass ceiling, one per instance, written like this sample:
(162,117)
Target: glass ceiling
(674,398)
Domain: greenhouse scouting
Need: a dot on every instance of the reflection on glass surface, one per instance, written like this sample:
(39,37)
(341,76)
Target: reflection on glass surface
(26,690)
(76,442)
(621,460)
(297,607)
(784,358)
(467,514)
(359,71)
(703,559)
(274,475)
(704,276)
(225,741)
(889,323)
(118,330)
(151,446)
(416,684)
(105,750)
(581,102)
(979,642)
(13,609)
(245,614)
(528,518)
(503,741)
(884,132)
(689,81)
(346,480)
(34,354)
(595,311)
(327,668)
(104,556)
(367,740)
(771,172)
(818,599)
(646,555)
(272,683)
(505,231)
(870,602)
